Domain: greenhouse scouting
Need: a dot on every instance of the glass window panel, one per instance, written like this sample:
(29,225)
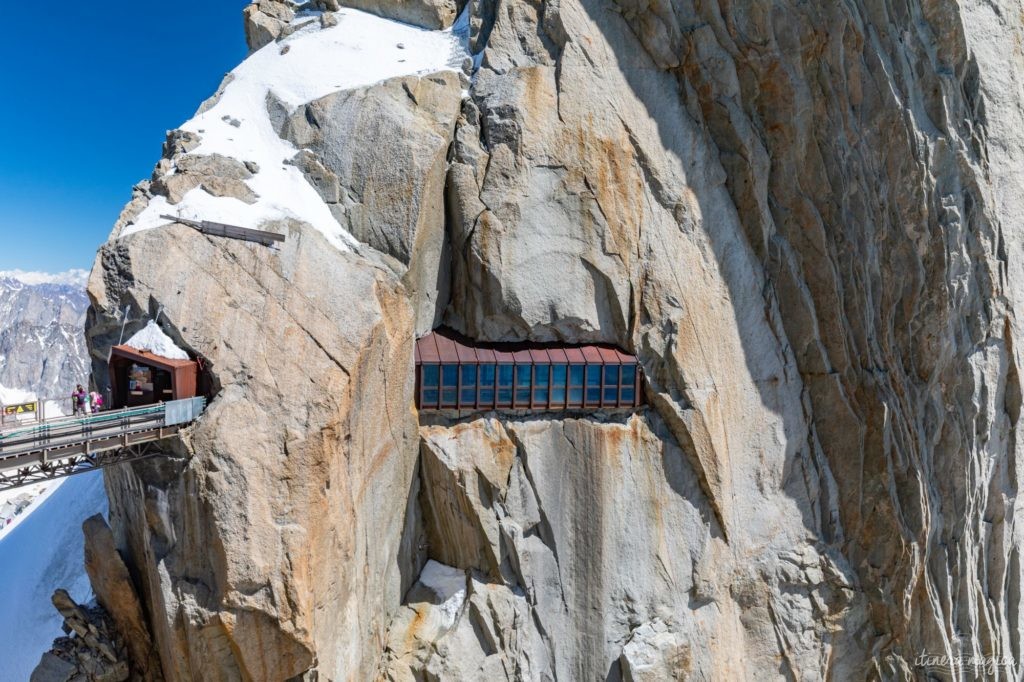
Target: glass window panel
(140,379)
(431,375)
(504,396)
(558,396)
(611,375)
(468,384)
(576,375)
(487,375)
(448,396)
(576,395)
(541,375)
(559,373)
(611,394)
(524,374)
(429,397)
(523,397)
(593,375)
(593,395)
(628,375)
(628,395)
(486,395)
(450,375)
(540,396)
(505,376)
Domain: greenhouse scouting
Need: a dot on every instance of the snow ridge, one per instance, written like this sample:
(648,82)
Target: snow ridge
(313,62)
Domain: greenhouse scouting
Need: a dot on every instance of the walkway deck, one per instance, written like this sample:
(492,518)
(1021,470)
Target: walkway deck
(36,451)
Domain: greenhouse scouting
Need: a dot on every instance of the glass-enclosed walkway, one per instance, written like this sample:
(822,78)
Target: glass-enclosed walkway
(454,373)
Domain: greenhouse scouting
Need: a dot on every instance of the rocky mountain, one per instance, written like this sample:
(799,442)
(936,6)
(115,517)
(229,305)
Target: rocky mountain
(42,347)
(803,218)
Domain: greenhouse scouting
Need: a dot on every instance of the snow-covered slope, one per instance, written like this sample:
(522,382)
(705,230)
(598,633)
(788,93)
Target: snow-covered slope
(42,354)
(9,396)
(43,553)
(313,62)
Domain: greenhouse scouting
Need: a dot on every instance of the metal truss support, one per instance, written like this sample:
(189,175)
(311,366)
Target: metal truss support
(79,464)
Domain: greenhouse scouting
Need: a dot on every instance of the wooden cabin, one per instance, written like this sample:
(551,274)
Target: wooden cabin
(142,378)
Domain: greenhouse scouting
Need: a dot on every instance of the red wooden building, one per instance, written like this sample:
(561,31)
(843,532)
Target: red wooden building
(455,373)
(142,378)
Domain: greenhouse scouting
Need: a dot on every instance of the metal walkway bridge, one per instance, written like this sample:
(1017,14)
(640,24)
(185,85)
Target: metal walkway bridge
(38,451)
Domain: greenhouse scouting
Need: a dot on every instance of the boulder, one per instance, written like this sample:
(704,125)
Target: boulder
(115,592)
(655,653)
(53,669)
(93,650)
(429,14)
(218,175)
(265,20)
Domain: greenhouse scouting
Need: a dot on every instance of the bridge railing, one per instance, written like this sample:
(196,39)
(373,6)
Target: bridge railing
(101,427)
(46,409)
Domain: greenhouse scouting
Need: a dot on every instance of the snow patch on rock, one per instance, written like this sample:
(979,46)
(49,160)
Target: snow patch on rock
(449,585)
(313,62)
(153,340)
(12,396)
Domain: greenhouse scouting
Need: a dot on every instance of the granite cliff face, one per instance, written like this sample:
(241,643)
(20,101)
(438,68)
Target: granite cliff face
(41,345)
(803,219)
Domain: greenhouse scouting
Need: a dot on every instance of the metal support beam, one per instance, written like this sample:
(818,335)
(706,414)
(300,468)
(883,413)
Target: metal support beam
(215,229)
(81,464)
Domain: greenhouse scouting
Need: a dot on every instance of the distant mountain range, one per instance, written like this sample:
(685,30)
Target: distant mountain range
(42,347)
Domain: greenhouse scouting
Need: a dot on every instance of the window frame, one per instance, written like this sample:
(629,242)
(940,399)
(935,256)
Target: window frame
(422,386)
(517,387)
(587,402)
(487,386)
(457,387)
(631,385)
(582,386)
(564,387)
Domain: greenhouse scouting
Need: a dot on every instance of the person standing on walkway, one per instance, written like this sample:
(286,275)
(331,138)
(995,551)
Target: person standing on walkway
(79,400)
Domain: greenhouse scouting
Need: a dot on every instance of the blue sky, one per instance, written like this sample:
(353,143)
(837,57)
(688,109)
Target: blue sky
(86,97)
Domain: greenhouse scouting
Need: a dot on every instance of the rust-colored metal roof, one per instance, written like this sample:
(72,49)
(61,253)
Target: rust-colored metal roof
(539,356)
(449,347)
(426,350)
(503,357)
(522,356)
(558,356)
(446,349)
(625,358)
(575,356)
(148,358)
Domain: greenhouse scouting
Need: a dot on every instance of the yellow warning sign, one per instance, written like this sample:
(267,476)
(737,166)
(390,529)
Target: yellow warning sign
(23,408)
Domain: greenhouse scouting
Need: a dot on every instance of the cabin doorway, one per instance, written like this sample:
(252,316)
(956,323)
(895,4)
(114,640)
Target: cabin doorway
(147,385)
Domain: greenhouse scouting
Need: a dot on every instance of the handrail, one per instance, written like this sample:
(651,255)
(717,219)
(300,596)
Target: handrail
(95,418)
(65,405)
(51,431)
(97,431)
